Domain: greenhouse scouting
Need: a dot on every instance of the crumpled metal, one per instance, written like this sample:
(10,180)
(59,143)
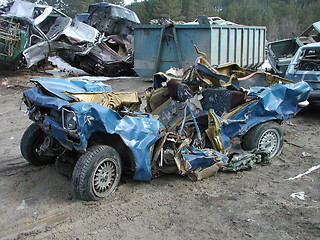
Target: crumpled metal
(58,86)
(195,158)
(277,102)
(140,131)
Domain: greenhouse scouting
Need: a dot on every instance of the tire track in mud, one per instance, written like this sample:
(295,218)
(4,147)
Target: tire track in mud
(13,164)
(34,228)
(135,214)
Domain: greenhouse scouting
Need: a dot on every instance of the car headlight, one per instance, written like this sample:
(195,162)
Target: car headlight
(303,104)
(69,119)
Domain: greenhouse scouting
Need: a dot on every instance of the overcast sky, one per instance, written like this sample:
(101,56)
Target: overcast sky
(127,1)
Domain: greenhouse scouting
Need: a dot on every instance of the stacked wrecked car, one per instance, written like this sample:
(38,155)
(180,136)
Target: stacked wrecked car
(197,121)
(41,30)
(31,32)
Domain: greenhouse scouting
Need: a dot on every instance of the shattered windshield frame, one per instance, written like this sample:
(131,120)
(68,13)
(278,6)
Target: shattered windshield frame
(124,13)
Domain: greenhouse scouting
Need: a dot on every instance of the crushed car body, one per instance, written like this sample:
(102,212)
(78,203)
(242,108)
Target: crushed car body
(44,30)
(114,56)
(110,19)
(36,31)
(196,122)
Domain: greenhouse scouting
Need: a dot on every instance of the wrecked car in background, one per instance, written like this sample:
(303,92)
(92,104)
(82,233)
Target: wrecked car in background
(110,19)
(34,31)
(280,53)
(305,66)
(30,32)
(114,56)
(196,122)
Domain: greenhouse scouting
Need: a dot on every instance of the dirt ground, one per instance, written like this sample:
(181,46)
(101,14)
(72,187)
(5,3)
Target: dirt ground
(263,203)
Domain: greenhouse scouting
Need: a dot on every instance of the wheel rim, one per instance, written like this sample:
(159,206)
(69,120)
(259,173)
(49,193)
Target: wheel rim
(104,177)
(270,141)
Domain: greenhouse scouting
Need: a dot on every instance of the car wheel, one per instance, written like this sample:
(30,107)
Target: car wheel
(96,174)
(266,136)
(30,146)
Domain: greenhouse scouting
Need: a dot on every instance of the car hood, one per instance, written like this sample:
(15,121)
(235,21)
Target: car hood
(58,86)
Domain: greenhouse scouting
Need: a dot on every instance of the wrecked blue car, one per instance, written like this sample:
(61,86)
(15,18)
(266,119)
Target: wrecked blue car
(195,122)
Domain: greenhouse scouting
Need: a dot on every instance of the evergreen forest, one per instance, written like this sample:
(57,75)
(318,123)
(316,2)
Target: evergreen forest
(283,18)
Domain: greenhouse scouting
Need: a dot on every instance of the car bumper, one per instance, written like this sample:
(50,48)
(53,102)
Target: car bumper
(68,139)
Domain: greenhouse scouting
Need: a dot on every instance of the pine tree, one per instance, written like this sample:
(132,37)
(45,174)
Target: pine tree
(168,9)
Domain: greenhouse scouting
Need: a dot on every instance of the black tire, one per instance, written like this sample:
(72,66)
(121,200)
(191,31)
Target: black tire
(97,173)
(30,144)
(266,136)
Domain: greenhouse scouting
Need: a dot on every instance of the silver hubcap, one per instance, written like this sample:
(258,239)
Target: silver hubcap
(270,141)
(104,177)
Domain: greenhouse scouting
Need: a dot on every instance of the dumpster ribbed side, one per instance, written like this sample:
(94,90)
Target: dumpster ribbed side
(157,48)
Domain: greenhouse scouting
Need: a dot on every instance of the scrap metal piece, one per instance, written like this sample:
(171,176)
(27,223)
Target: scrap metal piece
(111,100)
(200,174)
(213,131)
(201,163)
